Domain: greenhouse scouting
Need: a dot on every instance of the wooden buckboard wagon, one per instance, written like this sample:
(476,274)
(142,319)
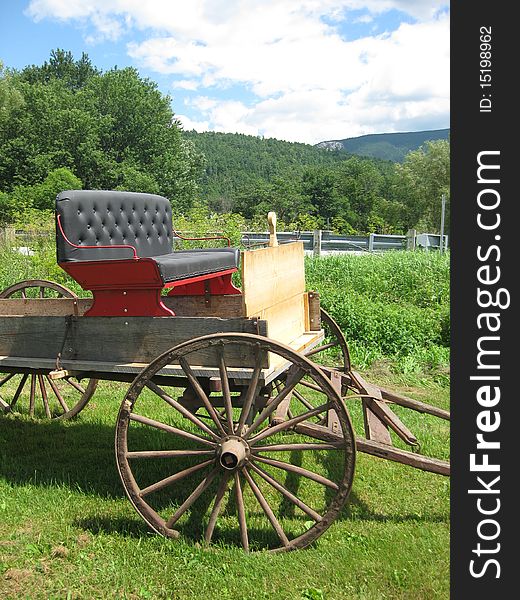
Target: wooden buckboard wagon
(236,414)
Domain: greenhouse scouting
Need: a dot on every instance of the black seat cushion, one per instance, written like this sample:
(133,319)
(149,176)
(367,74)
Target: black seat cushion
(144,221)
(106,218)
(183,264)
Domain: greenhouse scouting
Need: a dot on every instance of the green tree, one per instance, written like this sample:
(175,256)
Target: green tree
(61,65)
(422,179)
(41,196)
(113,130)
(319,187)
(10,97)
(359,186)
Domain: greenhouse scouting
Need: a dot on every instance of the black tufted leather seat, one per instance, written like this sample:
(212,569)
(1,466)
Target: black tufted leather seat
(142,221)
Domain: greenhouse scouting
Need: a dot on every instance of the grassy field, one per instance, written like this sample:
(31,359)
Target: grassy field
(68,531)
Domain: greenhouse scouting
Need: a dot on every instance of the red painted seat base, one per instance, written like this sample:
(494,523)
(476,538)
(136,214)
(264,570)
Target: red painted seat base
(132,287)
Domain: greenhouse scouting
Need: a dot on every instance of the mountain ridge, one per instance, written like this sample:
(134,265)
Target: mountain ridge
(385,146)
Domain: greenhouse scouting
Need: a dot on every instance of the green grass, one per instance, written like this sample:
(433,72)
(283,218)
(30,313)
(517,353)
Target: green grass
(67,530)
(392,306)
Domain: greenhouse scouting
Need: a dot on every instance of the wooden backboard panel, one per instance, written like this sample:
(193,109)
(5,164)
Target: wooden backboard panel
(271,276)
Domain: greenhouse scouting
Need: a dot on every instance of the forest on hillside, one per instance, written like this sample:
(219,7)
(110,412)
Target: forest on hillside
(65,124)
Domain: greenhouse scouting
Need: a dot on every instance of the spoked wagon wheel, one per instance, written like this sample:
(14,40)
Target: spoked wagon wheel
(333,352)
(234,476)
(33,391)
(37,288)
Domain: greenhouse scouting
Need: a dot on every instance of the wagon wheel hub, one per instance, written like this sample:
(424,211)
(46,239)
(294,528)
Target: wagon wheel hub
(233,453)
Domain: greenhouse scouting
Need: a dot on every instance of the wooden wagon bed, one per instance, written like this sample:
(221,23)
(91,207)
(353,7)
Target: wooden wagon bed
(44,333)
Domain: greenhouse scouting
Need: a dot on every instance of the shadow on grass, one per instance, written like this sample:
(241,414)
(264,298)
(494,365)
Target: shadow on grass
(124,526)
(80,455)
(190,531)
(358,510)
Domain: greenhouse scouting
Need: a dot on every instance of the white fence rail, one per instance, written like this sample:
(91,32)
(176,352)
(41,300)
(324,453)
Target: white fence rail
(322,242)
(317,243)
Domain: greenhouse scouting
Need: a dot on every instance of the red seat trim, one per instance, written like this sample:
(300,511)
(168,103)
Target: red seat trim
(132,288)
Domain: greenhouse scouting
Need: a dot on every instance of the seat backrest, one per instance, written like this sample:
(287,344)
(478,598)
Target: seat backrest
(107,218)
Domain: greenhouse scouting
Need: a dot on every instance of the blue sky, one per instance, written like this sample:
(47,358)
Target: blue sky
(298,70)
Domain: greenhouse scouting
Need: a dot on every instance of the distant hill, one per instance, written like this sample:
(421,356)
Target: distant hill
(385,146)
(234,160)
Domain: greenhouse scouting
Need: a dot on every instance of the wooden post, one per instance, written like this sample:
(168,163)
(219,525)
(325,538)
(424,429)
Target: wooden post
(316,242)
(271,219)
(7,236)
(443,210)
(410,239)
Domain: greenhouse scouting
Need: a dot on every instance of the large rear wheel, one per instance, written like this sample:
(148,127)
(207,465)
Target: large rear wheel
(232,473)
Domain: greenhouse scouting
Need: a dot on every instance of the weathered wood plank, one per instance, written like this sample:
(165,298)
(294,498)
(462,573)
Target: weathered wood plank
(226,307)
(313,302)
(230,306)
(120,371)
(271,275)
(412,459)
(52,307)
(418,461)
(120,339)
(375,428)
(415,404)
(383,411)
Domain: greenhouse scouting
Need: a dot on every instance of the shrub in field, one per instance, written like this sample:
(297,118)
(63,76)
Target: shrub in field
(393,305)
(389,305)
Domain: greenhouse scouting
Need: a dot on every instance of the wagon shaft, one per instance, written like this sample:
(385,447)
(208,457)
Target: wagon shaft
(378,419)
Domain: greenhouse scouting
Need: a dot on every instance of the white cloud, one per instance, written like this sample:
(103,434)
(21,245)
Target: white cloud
(185,84)
(309,82)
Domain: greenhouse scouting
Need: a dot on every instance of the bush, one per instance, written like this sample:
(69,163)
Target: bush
(392,305)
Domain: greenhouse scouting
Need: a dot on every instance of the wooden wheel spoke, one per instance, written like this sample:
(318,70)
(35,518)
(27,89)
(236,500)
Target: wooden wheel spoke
(203,485)
(42,292)
(303,400)
(225,390)
(321,349)
(201,394)
(58,395)
(32,395)
(268,431)
(19,389)
(159,485)
(4,405)
(45,399)
(170,429)
(244,538)
(251,390)
(217,505)
(310,385)
(75,385)
(168,453)
(284,491)
(6,378)
(298,470)
(181,409)
(292,382)
(266,508)
(296,447)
